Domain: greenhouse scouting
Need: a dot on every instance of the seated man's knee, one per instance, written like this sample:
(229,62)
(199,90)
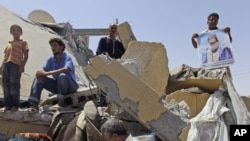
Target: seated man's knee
(63,77)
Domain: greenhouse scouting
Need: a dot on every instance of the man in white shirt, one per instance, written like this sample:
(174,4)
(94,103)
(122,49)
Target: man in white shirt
(212,21)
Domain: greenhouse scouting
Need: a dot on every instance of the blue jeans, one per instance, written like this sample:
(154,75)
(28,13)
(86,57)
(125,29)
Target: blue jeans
(11,84)
(61,87)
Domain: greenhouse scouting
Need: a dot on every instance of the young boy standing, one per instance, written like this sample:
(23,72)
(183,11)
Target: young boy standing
(15,58)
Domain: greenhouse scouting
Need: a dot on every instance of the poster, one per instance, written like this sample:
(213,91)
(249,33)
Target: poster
(214,49)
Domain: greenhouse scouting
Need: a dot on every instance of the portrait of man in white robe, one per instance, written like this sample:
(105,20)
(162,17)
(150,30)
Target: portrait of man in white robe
(214,49)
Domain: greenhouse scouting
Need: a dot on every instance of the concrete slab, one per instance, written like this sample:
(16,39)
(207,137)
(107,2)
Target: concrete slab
(152,63)
(208,85)
(137,98)
(125,34)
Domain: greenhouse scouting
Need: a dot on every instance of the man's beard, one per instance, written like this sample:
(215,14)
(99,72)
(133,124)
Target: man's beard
(56,53)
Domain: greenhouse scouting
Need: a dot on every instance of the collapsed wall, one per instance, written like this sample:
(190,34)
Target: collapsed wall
(199,93)
(138,84)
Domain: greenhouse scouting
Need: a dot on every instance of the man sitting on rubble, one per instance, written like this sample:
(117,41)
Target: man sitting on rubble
(110,44)
(63,81)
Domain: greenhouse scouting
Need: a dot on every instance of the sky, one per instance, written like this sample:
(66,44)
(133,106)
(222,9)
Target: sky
(169,22)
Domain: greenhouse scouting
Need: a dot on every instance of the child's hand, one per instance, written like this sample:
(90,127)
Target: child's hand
(21,69)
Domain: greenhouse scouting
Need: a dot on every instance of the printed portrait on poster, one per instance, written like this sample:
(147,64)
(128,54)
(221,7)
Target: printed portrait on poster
(214,49)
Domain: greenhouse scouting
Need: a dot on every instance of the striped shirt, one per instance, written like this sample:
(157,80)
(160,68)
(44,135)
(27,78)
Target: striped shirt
(14,51)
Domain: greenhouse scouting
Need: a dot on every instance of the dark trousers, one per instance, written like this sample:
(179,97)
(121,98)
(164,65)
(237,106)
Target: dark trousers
(11,84)
(61,87)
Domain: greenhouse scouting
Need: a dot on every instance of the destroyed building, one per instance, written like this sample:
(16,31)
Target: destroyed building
(154,102)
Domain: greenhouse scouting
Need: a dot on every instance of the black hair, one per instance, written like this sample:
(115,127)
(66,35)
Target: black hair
(214,15)
(112,126)
(59,41)
(16,25)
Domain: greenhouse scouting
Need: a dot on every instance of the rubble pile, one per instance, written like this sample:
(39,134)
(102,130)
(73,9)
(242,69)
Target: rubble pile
(154,102)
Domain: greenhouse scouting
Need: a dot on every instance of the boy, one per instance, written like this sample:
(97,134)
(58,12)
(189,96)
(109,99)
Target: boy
(15,58)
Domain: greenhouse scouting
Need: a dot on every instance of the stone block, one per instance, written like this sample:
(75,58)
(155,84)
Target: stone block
(135,97)
(76,99)
(125,34)
(152,63)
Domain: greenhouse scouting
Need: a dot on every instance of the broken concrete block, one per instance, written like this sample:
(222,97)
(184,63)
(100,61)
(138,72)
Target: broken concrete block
(184,77)
(131,66)
(152,62)
(129,88)
(196,102)
(76,99)
(125,34)
(135,97)
(208,85)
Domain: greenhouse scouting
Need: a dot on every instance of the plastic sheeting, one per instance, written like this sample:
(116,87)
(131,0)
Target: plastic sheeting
(209,124)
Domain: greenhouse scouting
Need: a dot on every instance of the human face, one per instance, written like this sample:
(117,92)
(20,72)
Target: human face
(56,49)
(113,29)
(16,32)
(213,42)
(114,137)
(212,22)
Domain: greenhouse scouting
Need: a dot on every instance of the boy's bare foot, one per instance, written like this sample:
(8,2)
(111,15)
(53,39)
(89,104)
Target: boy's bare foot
(4,109)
